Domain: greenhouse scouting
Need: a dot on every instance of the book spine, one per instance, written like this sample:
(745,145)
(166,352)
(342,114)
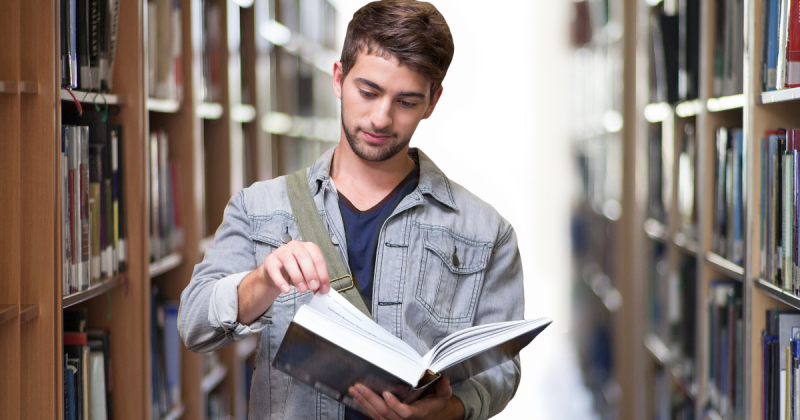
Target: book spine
(176,51)
(772,44)
(66,253)
(793,46)
(83,45)
(84,208)
(783,32)
(155,239)
(111,37)
(96,37)
(738,214)
(786,217)
(762,217)
(95,198)
(120,199)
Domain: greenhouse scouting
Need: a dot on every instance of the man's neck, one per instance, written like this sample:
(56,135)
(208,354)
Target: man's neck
(366,183)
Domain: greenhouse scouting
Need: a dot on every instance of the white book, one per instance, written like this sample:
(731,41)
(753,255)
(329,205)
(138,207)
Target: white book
(97,386)
(342,347)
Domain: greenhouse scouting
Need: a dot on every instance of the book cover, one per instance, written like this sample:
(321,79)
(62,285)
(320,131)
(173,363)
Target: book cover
(69,47)
(772,41)
(112,27)
(793,46)
(83,45)
(95,200)
(85,223)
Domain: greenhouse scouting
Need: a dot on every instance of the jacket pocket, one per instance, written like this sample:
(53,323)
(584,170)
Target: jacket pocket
(451,274)
(268,233)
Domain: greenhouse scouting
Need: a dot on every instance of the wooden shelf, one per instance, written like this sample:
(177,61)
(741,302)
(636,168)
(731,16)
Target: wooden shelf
(243,113)
(95,290)
(165,264)
(783,95)
(725,103)
(777,293)
(8,312)
(210,110)
(686,244)
(28,313)
(247,347)
(214,378)
(163,105)
(725,267)
(689,108)
(28,88)
(92,97)
(9,87)
(610,296)
(657,349)
(656,230)
(175,413)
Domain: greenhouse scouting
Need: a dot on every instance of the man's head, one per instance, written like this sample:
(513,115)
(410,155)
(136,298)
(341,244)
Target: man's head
(395,56)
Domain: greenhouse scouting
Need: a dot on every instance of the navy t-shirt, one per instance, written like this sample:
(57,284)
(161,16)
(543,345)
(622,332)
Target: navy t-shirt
(362,228)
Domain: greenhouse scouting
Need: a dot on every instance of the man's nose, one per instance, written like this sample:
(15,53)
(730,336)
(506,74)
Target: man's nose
(381,117)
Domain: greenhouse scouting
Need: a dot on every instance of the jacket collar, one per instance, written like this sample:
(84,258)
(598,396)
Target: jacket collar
(432,180)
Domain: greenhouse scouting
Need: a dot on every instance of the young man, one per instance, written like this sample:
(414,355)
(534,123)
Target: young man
(429,257)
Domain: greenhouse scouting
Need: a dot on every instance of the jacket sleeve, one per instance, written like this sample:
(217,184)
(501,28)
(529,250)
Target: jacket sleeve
(501,299)
(210,303)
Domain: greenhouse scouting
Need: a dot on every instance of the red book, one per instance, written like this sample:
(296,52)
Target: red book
(76,339)
(793,46)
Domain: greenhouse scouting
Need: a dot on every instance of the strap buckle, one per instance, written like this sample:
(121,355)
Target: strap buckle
(347,287)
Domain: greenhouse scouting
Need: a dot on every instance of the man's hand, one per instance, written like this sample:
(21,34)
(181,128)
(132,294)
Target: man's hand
(441,405)
(298,264)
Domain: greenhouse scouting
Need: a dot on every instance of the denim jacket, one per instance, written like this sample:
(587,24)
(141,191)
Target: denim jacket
(446,261)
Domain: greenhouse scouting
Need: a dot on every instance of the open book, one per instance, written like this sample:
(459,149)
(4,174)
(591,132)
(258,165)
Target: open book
(330,345)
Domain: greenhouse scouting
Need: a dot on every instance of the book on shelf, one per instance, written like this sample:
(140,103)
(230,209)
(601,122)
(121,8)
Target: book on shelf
(87,367)
(212,51)
(88,43)
(728,233)
(780,58)
(165,354)
(331,346)
(687,164)
(164,54)
(780,343)
(89,153)
(780,219)
(728,72)
(166,230)
(726,348)
(656,175)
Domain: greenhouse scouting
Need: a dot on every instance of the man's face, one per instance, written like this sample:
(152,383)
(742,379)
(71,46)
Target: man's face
(382,103)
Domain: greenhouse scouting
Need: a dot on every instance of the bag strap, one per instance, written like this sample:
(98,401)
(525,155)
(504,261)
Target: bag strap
(312,230)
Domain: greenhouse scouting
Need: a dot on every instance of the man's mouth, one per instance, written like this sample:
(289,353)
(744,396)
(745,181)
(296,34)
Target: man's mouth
(375,138)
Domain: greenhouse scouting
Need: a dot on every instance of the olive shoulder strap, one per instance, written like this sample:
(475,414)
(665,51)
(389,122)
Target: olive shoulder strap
(313,230)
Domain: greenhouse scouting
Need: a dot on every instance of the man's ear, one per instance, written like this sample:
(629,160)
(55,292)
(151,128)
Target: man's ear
(434,101)
(338,78)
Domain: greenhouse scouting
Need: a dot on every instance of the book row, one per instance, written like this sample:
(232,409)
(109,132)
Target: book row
(164,190)
(92,208)
(88,43)
(88,386)
(726,349)
(165,355)
(780,61)
(779,209)
(780,342)
(727,238)
(728,69)
(675,53)
(164,57)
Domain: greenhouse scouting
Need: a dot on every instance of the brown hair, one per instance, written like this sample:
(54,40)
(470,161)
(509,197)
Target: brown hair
(413,32)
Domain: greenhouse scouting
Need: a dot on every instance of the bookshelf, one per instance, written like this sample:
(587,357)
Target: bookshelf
(219,145)
(725,279)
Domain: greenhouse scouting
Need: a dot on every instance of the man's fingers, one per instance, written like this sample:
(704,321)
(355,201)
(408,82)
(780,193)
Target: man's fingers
(274,271)
(293,270)
(364,403)
(378,404)
(309,272)
(443,388)
(402,410)
(319,264)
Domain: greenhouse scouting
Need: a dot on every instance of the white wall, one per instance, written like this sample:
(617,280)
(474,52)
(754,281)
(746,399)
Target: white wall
(501,130)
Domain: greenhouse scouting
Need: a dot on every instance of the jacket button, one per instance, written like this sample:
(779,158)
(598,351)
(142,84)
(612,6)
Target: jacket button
(455,260)
(285,237)
(334,240)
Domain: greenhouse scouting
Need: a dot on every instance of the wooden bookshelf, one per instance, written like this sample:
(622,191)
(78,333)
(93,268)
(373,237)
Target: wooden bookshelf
(220,146)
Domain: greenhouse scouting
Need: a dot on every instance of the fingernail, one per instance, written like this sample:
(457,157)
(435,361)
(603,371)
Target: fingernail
(314,284)
(387,396)
(301,287)
(359,387)
(325,288)
(285,288)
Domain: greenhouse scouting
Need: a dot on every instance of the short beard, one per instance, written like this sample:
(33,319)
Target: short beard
(376,153)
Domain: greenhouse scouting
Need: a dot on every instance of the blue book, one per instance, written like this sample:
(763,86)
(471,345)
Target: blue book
(738,202)
(172,350)
(71,402)
(766,341)
(773,18)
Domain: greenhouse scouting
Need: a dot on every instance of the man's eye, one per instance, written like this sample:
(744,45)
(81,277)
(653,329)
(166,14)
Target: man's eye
(366,94)
(408,104)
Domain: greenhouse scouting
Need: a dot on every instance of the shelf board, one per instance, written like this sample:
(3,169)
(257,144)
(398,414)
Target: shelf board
(163,105)
(94,290)
(9,87)
(28,88)
(783,95)
(247,347)
(243,113)
(175,413)
(204,244)
(657,112)
(28,313)
(8,312)
(686,244)
(689,108)
(725,267)
(213,378)
(601,286)
(92,97)
(165,264)
(657,349)
(209,110)
(778,293)
(725,103)
(656,230)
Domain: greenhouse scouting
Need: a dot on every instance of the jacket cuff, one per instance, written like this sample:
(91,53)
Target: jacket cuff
(474,408)
(223,309)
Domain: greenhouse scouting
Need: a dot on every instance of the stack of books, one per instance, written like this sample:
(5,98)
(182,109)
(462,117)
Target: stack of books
(780,59)
(87,368)
(88,43)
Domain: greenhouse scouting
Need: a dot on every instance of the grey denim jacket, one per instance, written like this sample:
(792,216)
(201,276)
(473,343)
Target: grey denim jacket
(421,293)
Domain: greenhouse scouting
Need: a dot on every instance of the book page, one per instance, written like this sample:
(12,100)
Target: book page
(334,306)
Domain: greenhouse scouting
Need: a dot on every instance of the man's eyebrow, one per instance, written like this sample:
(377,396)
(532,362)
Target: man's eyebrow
(380,89)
